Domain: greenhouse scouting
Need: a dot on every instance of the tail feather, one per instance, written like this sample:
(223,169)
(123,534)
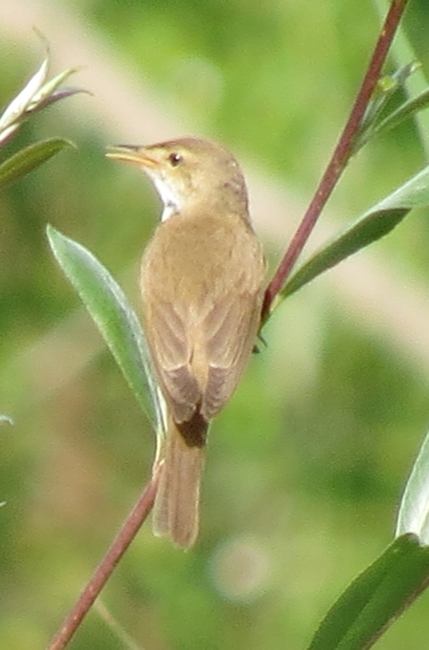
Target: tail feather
(176,510)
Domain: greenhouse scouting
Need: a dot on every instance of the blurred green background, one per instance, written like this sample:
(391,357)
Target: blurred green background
(306,465)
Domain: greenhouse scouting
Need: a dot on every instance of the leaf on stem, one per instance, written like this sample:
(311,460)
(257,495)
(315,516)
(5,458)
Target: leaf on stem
(403,112)
(376,598)
(114,317)
(41,97)
(373,122)
(16,109)
(36,95)
(413,516)
(374,224)
(29,158)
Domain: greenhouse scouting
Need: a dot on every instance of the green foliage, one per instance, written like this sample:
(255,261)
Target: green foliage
(405,111)
(377,222)
(37,94)
(115,318)
(29,158)
(414,510)
(378,119)
(376,598)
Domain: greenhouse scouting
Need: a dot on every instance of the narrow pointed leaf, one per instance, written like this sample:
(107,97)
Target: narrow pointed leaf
(403,112)
(49,87)
(374,224)
(413,516)
(56,96)
(30,158)
(376,598)
(386,87)
(19,104)
(114,317)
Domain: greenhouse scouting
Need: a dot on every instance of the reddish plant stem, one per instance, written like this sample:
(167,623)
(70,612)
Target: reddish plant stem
(105,569)
(341,154)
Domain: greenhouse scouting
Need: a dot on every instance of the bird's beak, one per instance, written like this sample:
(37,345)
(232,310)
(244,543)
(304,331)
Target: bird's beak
(131,153)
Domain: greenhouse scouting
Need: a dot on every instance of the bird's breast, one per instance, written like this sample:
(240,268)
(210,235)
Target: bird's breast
(191,258)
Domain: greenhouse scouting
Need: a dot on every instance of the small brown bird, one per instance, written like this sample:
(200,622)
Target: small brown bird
(202,284)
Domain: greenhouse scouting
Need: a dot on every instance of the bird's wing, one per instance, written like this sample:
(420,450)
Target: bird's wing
(220,337)
(230,328)
(171,354)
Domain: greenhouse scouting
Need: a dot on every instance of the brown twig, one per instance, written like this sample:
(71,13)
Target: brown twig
(105,569)
(341,155)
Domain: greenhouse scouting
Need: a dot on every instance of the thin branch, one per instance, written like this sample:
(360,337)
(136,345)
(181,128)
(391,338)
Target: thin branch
(105,569)
(341,154)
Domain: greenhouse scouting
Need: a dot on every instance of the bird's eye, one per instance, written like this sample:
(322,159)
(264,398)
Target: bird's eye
(175,159)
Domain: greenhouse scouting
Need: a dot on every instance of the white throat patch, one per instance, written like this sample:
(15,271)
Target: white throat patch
(171,201)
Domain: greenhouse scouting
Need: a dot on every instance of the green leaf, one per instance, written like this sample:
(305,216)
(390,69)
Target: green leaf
(114,317)
(376,598)
(30,158)
(36,95)
(41,97)
(403,112)
(374,224)
(56,96)
(373,122)
(16,109)
(413,516)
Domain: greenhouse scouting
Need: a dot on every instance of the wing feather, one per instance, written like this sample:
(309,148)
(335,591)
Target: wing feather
(171,354)
(230,348)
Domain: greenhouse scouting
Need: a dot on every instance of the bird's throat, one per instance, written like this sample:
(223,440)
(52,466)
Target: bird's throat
(170,198)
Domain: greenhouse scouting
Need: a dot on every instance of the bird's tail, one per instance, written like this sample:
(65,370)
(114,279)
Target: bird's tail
(176,509)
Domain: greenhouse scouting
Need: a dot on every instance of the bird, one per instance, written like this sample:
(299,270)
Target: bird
(202,286)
